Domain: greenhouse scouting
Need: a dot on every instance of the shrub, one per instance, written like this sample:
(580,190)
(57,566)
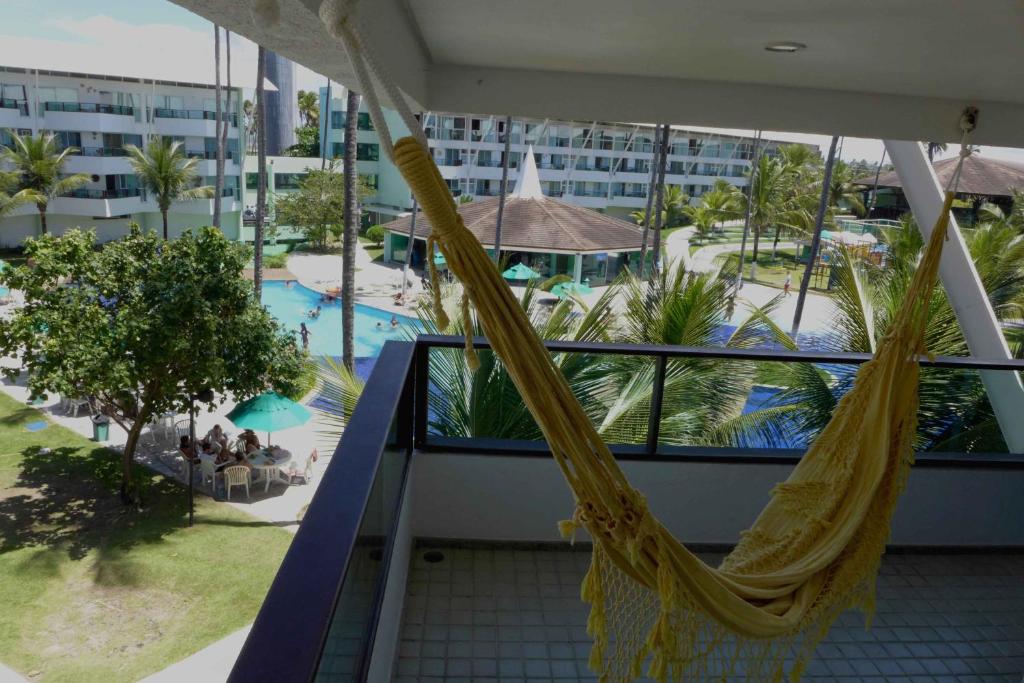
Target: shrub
(275,260)
(376,234)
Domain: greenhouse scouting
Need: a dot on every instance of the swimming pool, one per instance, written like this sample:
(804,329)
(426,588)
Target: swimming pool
(290,305)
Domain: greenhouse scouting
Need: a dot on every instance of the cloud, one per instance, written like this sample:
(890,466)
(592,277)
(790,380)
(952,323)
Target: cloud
(104,45)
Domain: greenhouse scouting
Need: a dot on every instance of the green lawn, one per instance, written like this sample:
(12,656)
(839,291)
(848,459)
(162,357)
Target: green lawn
(375,251)
(94,592)
(773,272)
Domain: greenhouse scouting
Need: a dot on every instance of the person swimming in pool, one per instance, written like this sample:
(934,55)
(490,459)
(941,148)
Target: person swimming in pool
(394,322)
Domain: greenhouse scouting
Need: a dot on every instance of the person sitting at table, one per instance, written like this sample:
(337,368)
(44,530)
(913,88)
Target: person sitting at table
(187,452)
(217,435)
(252,442)
(209,447)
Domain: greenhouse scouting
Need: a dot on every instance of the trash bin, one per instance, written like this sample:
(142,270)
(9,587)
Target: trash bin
(100,428)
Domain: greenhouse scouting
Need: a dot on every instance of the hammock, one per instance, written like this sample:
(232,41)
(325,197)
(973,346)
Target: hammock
(812,553)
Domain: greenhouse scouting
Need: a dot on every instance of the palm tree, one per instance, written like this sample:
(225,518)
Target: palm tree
(772,202)
(703,218)
(348,248)
(700,396)
(261,172)
(9,202)
(843,192)
(953,413)
(309,107)
(932,148)
(167,173)
(218,185)
(37,161)
(723,201)
(504,188)
(674,204)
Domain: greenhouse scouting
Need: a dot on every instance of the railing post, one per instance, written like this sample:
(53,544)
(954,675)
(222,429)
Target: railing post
(654,418)
(421,387)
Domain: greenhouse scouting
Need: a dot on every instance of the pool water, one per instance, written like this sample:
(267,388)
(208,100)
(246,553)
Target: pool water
(290,306)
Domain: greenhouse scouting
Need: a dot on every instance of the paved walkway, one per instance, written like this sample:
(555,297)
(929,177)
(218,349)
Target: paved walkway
(212,664)
(9,675)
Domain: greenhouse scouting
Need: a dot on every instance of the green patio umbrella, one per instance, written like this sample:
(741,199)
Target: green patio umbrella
(269,412)
(520,272)
(563,290)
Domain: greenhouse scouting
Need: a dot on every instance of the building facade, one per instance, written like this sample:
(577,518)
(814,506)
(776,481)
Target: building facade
(603,166)
(99,115)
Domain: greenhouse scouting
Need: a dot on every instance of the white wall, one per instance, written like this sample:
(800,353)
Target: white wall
(522,499)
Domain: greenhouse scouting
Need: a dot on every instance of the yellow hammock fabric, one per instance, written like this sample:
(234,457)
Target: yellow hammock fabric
(813,552)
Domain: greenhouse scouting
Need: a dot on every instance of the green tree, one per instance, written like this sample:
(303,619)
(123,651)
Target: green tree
(143,326)
(318,205)
(704,220)
(724,201)
(843,193)
(674,205)
(376,234)
(10,197)
(772,202)
(308,142)
(169,175)
(309,108)
(38,163)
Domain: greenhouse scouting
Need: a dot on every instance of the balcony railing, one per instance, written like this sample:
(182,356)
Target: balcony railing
(326,591)
(90,108)
(20,105)
(192,115)
(208,154)
(82,193)
(102,152)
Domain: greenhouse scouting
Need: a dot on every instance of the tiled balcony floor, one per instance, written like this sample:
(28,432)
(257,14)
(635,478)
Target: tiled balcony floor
(516,615)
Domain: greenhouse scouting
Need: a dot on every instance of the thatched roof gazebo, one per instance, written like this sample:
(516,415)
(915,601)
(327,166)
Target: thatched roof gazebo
(538,230)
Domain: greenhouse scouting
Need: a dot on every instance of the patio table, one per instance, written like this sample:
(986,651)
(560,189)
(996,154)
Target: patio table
(268,463)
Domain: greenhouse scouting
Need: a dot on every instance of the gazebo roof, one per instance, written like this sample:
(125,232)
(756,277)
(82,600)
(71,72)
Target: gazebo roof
(535,222)
(980,176)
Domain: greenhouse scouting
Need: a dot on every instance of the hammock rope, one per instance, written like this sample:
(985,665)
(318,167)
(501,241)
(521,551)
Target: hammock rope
(812,553)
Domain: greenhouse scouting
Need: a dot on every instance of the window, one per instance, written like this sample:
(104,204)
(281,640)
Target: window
(288,181)
(337,150)
(12,91)
(371,180)
(363,121)
(68,138)
(251,180)
(367,151)
(47,94)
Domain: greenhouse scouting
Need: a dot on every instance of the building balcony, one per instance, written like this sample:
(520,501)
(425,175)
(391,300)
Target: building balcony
(99,203)
(13,113)
(398,573)
(193,115)
(90,108)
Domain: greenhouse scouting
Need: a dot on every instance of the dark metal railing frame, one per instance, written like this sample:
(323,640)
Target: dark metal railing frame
(287,639)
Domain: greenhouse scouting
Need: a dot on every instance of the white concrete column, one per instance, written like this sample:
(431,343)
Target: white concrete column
(963,287)
(577,268)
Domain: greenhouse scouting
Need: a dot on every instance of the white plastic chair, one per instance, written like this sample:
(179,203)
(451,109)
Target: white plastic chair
(306,475)
(208,468)
(73,404)
(237,475)
(181,429)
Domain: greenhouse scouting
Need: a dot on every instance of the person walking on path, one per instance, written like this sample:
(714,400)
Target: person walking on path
(787,284)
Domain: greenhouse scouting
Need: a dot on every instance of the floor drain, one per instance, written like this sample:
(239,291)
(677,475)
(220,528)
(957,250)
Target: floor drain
(433,556)
(377,555)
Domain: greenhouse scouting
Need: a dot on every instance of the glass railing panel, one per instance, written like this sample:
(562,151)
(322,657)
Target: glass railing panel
(348,641)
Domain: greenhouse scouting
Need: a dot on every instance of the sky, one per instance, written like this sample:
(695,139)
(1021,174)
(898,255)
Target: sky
(119,37)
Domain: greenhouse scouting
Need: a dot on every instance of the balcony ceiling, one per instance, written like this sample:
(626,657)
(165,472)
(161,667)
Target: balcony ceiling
(872,68)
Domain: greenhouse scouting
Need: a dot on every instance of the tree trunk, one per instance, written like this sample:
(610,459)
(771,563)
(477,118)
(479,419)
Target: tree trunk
(348,245)
(805,282)
(775,243)
(129,495)
(504,189)
(218,185)
(753,252)
(42,220)
(408,248)
(261,174)
(750,202)
(659,201)
(650,200)
(163,214)
(325,121)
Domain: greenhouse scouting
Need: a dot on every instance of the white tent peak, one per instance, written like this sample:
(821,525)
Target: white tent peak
(528,184)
